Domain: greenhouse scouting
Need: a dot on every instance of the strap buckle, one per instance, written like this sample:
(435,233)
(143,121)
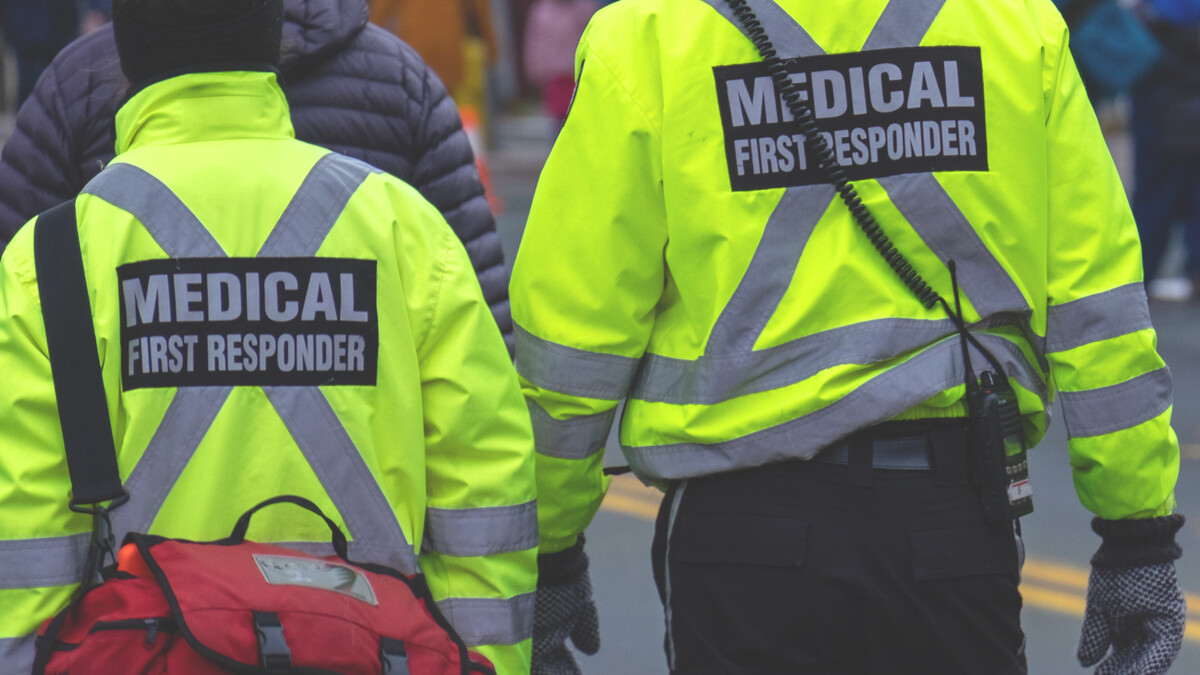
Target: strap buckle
(273,650)
(103,542)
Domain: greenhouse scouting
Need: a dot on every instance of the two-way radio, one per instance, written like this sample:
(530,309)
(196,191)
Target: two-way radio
(994,423)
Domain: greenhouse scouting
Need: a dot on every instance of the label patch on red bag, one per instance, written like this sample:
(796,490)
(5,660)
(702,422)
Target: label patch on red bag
(882,112)
(281,570)
(196,322)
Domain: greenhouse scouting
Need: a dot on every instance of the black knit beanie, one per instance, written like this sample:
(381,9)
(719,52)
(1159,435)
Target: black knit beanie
(157,39)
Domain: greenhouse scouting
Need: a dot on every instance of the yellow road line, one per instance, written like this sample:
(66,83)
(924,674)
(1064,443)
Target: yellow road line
(1046,585)
(630,506)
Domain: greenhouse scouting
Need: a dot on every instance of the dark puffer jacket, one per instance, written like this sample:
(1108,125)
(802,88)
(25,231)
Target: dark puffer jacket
(352,87)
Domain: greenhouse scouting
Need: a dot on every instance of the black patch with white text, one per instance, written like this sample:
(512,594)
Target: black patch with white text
(195,322)
(883,112)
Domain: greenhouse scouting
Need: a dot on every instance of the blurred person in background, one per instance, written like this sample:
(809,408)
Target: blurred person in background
(552,32)
(36,30)
(457,38)
(352,87)
(95,14)
(1166,137)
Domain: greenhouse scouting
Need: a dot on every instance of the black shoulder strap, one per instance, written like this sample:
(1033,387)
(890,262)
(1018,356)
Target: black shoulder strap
(71,338)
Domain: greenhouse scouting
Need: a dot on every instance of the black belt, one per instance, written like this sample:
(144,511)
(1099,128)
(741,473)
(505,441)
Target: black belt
(886,453)
(907,445)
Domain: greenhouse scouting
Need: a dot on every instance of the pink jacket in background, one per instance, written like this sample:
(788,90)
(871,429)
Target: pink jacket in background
(552,32)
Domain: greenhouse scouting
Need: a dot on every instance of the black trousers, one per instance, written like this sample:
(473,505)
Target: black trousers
(807,567)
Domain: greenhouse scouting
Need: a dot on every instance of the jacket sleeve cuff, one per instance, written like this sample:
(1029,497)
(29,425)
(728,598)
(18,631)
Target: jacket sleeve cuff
(563,567)
(1137,543)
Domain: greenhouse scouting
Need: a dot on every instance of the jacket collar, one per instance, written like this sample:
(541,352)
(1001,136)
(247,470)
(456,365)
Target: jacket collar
(204,107)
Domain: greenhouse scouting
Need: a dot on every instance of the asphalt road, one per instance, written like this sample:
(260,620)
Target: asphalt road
(1058,538)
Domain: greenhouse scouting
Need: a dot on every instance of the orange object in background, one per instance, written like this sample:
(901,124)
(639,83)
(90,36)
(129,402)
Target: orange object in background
(438,31)
(470,120)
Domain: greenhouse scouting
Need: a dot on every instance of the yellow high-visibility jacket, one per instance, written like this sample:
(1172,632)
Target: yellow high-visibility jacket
(271,318)
(685,253)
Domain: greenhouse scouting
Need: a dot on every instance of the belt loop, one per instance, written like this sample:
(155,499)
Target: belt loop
(949,449)
(860,450)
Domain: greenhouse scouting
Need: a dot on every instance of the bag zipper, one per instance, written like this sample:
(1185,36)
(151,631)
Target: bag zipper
(151,625)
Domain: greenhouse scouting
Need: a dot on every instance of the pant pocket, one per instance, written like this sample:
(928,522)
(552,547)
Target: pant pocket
(738,540)
(962,551)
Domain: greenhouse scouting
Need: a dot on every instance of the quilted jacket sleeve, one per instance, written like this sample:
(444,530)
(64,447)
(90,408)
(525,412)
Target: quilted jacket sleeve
(444,172)
(31,166)
(64,131)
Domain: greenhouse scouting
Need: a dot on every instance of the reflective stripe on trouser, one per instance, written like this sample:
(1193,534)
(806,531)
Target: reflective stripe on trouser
(376,533)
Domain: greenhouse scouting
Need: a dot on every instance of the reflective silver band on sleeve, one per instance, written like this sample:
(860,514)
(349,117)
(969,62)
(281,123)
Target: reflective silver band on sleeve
(575,438)
(576,372)
(39,563)
(490,621)
(157,208)
(885,396)
(1094,412)
(482,531)
(1120,311)
(17,654)
(342,471)
(316,206)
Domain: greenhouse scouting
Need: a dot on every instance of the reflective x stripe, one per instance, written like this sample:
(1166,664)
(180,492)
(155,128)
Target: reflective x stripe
(574,438)
(1094,412)
(17,654)
(934,370)
(37,563)
(342,471)
(789,38)
(572,371)
(1102,316)
(184,425)
(490,621)
(730,366)
(903,24)
(482,531)
(770,272)
(301,230)
(923,202)
(157,208)
(316,206)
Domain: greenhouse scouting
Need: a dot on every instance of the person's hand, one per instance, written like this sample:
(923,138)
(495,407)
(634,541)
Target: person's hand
(564,609)
(1140,613)
(1136,613)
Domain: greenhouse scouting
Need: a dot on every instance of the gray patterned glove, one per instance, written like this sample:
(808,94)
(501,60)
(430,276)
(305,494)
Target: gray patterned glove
(564,609)
(1134,602)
